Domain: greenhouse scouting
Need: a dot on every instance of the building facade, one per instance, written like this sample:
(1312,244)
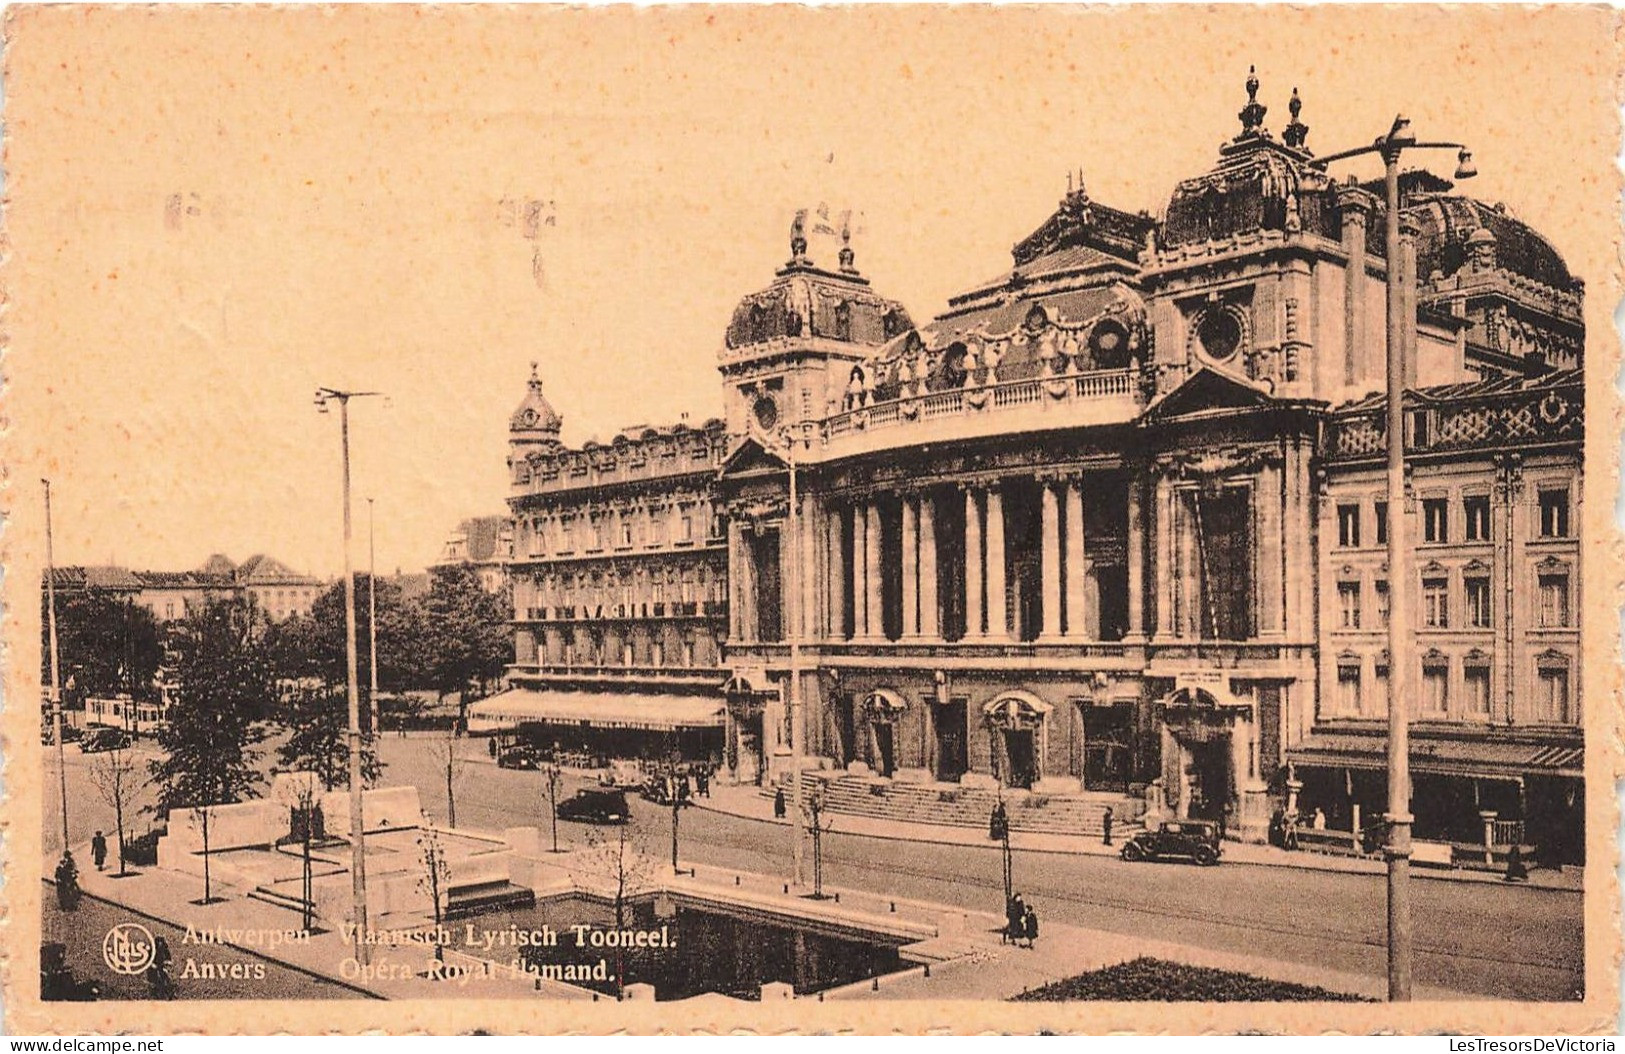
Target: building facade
(484,544)
(277,589)
(1107,527)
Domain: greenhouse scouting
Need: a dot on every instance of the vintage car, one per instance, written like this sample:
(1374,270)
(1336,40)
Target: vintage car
(103,739)
(1196,840)
(519,756)
(595,806)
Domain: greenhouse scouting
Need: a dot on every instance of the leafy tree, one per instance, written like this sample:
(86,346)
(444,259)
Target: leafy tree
(470,639)
(223,689)
(318,721)
(107,644)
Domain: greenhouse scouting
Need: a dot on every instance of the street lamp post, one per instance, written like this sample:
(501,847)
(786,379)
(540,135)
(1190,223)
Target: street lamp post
(56,669)
(1397,850)
(785,443)
(358,858)
(372,624)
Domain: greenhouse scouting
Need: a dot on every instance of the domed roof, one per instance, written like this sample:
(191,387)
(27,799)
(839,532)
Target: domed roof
(535,414)
(805,300)
(1258,184)
(1450,227)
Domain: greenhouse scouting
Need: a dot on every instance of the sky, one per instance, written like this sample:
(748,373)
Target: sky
(212,212)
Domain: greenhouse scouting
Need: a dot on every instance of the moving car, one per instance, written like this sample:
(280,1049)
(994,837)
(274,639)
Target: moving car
(519,756)
(595,806)
(103,739)
(1196,840)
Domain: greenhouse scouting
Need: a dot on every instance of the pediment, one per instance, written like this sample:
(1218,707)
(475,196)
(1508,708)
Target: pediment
(751,458)
(1208,390)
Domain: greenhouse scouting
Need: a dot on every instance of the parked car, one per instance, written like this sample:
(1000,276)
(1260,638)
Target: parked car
(519,756)
(1196,840)
(103,739)
(595,806)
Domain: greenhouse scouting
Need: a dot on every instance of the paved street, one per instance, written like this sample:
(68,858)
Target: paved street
(1507,941)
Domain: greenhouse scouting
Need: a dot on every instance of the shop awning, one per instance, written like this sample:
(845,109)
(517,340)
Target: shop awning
(1443,757)
(521,706)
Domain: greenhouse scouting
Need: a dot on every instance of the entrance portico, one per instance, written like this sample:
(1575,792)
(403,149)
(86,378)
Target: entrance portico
(1210,764)
(1018,723)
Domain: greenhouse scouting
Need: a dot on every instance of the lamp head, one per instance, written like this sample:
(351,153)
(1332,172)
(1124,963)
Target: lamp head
(321,401)
(1400,134)
(1465,169)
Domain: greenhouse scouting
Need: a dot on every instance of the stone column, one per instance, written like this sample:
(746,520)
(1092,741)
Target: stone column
(998,626)
(1049,574)
(807,599)
(837,574)
(974,608)
(1136,558)
(911,568)
(1271,567)
(1079,624)
(874,622)
(860,571)
(739,574)
(930,614)
(1163,565)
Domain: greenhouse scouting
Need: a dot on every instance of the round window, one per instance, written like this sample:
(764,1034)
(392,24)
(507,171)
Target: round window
(1220,333)
(1108,345)
(766,411)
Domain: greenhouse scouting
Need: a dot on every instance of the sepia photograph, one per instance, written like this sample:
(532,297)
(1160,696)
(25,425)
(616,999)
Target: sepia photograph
(858,519)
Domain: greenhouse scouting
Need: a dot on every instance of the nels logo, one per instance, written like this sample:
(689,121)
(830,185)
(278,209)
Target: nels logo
(129,948)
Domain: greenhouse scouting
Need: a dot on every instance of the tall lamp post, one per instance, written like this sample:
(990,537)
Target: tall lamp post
(785,443)
(358,858)
(372,624)
(1397,850)
(56,669)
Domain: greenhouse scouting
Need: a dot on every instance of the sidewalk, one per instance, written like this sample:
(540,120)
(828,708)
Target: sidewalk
(747,802)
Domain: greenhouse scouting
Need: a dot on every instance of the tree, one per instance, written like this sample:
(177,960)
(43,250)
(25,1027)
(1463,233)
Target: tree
(620,862)
(450,763)
(223,689)
(470,639)
(550,779)
(107,644)
(318,721)
(819,820)
(113,775)
(436,880)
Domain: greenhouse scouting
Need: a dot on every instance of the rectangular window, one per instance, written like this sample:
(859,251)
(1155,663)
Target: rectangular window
(1435,603)
(1552,694)
(1381,517)
(1554,512)
(1435,520)
(1477,683)
(657,653)
(1477,509)
(1348,688)
(567,535)
(657,527)
(1348,602)
(1381,589)
(686,531)
(1554,600)
(598,533)
(626,532)
(1348,526)
(1478,603)
(1435,688)
(1379,689)
(688,653)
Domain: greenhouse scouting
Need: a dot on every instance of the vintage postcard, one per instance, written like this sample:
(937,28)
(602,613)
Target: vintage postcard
(882,519)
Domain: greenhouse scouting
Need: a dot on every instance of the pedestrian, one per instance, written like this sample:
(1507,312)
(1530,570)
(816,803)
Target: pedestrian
(998,823)
(1516,871)
(1015,917)
(1320,819)
(491,746)
(67,883)
(778,804)
(1106,826)
(1289,831)
(98,850)
(1029,926)
(1277,836)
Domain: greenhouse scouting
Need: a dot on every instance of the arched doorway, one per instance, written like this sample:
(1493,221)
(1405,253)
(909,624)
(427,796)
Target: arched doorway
(1199,771)
(1017,726)
(882,707)
(744,751)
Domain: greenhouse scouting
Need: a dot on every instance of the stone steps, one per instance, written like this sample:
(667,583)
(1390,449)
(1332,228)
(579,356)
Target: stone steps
(954,806)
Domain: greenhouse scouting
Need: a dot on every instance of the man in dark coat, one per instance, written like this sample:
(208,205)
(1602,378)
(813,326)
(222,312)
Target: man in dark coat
(1029,926)
(1106,826)
(1015,915)
(778,804)
(998,823)
(1516,871)
(98,850)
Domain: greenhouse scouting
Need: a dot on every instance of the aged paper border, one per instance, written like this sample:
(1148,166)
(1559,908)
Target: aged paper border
(25,771)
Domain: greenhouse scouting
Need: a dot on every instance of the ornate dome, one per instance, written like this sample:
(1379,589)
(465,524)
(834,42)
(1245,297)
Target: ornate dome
(1258,184)
(1452,230)
(535,417)
(805,300)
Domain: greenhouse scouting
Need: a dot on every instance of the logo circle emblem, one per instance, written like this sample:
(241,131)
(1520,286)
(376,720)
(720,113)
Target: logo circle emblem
(129,948)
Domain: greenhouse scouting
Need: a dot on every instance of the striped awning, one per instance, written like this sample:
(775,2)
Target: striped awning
(1485,759)
(521,706)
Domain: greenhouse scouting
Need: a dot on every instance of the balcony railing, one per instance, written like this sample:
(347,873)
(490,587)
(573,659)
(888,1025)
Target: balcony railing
(640,610)
(607,672)
(1001,395)
(1540,415)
